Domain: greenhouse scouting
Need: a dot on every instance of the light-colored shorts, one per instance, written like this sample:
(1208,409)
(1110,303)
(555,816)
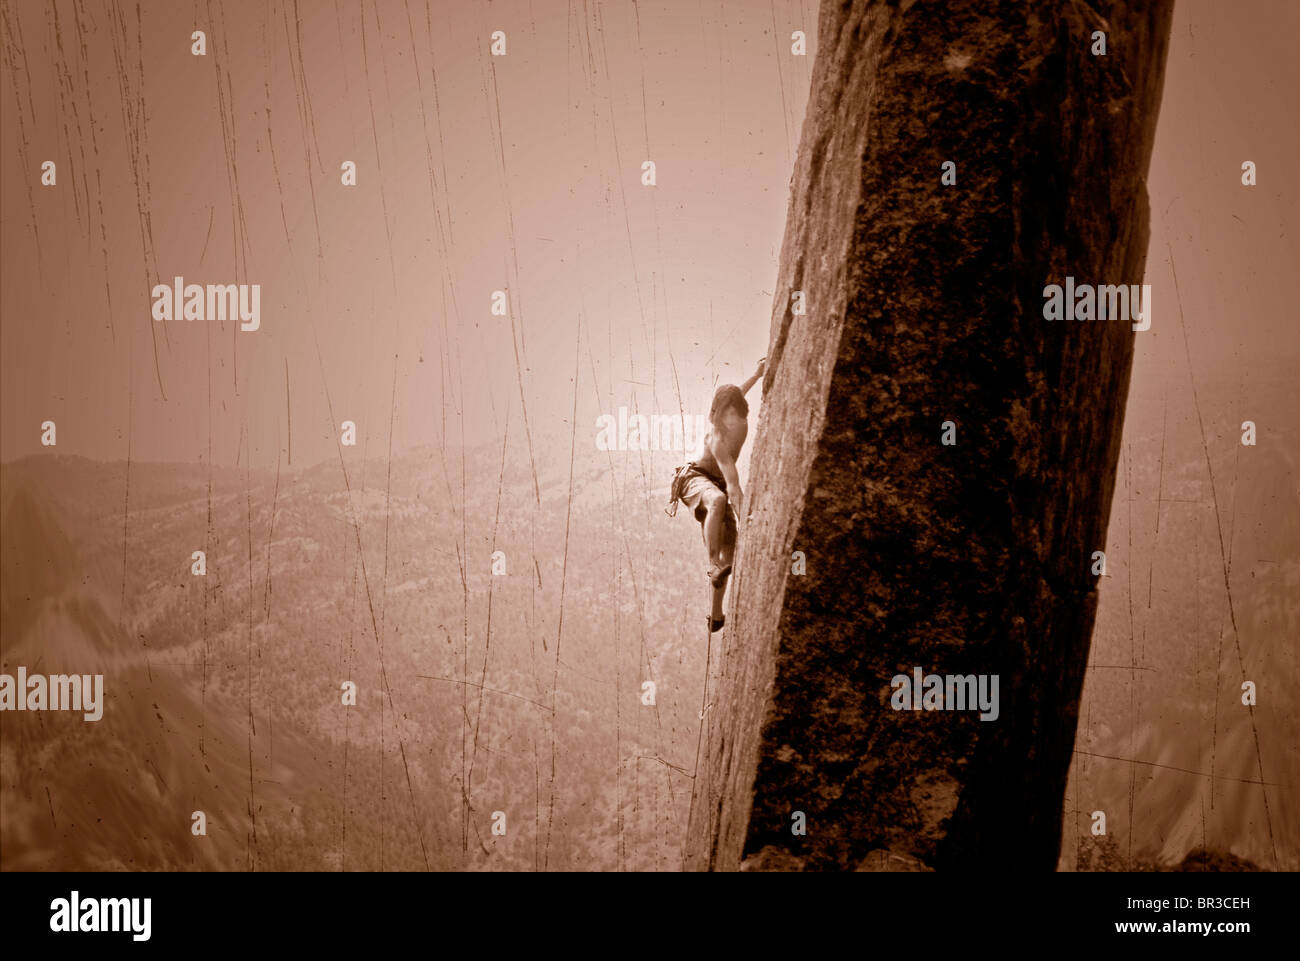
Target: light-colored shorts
(696,485)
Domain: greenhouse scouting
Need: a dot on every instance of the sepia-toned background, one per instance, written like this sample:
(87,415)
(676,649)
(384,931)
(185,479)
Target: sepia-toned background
(476,432)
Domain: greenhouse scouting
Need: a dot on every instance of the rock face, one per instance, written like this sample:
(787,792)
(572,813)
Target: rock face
(923,305)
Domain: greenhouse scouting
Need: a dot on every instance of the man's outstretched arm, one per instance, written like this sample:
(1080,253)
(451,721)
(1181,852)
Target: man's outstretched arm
(744,388)
(727,464)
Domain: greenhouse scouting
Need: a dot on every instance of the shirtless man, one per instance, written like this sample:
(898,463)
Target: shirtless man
(710,486)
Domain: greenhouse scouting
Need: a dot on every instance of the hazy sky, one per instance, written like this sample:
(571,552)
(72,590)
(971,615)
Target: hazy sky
(478,173)
(475,173)
(1229,97)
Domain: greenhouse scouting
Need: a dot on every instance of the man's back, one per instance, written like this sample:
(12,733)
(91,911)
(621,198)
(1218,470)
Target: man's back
(729,436)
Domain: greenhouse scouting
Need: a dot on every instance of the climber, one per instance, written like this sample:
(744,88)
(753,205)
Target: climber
(710,486)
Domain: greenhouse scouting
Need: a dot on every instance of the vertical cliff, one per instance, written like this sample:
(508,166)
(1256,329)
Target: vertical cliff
(924,304)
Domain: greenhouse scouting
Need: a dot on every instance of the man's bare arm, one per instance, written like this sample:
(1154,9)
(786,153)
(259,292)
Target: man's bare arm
(727,464)
(753,379)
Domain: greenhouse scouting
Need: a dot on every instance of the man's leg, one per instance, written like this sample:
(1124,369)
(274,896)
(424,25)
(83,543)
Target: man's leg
(715,506)
(726,553)
(719,592)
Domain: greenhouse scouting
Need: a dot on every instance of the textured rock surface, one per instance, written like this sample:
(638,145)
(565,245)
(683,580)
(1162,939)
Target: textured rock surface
(925,305)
